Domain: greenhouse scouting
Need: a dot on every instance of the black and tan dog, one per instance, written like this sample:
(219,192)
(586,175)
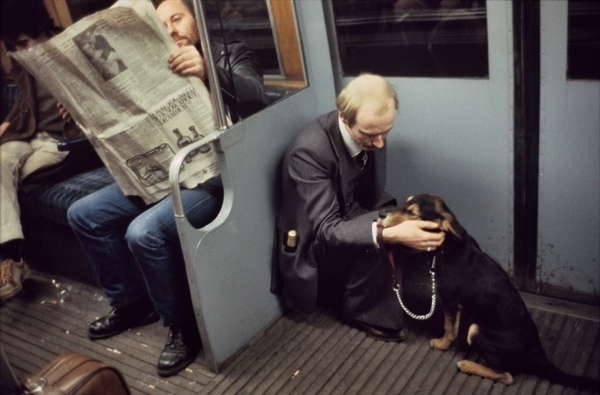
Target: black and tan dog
(503,332)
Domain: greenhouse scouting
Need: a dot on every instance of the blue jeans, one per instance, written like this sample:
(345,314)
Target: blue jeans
(112,227)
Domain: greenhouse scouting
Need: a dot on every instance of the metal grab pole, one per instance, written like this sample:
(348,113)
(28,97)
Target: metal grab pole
(213,80)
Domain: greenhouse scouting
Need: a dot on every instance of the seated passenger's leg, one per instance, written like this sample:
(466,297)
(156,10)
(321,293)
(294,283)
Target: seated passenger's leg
(154,241)
(99,221)
(45,154)
(13,270)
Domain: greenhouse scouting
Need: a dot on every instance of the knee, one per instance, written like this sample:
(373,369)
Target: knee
(135,236)
(76,213)
(142,236)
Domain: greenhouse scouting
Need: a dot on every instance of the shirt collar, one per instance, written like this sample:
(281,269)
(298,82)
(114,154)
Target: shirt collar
(353,148)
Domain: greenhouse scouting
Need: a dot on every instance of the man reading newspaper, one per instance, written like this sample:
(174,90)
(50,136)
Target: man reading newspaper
(103,219)
(111,225)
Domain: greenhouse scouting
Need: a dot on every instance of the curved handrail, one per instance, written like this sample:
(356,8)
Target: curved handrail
(176,165)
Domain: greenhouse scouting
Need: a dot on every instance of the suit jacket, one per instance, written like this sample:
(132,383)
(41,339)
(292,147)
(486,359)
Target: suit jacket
(319,199)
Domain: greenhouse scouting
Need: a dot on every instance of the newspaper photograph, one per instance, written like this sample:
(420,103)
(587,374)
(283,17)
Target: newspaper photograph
(110,71)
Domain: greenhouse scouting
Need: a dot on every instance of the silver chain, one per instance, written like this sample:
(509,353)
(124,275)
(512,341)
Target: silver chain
(410,313)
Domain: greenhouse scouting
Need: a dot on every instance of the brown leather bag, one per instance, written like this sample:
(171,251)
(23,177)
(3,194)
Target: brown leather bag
(73,373)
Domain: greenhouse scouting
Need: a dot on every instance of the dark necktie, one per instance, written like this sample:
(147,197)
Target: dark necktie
(361,159)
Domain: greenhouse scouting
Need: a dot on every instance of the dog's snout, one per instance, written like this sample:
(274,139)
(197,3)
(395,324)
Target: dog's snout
(387,211)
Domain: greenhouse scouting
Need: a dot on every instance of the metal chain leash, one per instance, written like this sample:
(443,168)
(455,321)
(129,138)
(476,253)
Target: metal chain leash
(433,297)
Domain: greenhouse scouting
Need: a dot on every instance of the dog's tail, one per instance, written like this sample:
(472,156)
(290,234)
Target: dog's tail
(553,374)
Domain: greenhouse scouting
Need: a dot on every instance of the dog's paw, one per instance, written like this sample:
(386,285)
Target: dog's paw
(506,378)
(470,367)
(440,344)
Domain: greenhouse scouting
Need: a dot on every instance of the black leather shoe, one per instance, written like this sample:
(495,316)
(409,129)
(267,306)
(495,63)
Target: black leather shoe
(181,349)
(379,333)
(120,320)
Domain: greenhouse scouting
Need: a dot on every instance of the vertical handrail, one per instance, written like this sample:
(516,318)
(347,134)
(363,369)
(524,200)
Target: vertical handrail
(213,80)
(218,108)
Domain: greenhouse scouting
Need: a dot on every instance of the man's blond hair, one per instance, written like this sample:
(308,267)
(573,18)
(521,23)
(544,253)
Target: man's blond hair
(365,88)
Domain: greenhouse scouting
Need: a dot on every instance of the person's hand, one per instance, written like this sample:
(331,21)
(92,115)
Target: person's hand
(415,234)
(64,113)
(3,127)
(187,61)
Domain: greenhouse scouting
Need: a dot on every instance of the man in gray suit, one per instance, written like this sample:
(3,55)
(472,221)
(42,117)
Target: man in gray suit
(333,188)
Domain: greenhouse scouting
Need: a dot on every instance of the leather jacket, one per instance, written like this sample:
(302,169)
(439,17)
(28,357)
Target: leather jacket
(240,77)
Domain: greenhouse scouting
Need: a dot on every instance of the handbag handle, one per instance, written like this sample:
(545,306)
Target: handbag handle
(40,386)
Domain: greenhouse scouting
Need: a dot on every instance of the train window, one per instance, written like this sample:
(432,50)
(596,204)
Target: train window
(269,28)
(248,21)
(583,45)
(413,38)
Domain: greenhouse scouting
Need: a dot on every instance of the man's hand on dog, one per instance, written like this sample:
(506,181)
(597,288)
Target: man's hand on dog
(415,234)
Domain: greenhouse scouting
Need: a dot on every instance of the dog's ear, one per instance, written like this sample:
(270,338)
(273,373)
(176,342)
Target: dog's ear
(449,222)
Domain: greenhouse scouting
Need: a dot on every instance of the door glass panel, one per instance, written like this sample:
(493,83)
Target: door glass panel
(419,38)
(248,21)
(269,28)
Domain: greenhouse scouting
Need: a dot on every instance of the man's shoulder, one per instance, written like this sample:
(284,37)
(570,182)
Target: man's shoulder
(319,127)
(316,136)
(326,122)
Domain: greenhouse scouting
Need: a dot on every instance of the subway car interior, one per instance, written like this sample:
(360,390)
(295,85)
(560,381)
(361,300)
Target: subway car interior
(499,114)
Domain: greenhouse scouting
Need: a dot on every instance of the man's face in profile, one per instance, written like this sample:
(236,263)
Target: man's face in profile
(179,21)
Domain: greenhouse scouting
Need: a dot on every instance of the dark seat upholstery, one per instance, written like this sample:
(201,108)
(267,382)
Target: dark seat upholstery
(50,244)
(51,202)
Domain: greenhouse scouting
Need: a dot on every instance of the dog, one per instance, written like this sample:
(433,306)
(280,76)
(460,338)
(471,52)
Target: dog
(502,332)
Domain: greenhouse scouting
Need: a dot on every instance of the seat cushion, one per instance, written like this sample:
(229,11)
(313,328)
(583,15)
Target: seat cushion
(52,203)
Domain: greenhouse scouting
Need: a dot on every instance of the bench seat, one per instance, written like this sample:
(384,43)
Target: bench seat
(50,244)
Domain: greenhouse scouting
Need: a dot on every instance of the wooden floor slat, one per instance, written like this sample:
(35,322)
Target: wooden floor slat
(299,354)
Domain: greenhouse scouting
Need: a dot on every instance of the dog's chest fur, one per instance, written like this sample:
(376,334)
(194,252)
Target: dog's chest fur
(470,278)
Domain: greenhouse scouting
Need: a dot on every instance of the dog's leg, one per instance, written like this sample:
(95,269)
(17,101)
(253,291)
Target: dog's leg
(470,367)
(451,322)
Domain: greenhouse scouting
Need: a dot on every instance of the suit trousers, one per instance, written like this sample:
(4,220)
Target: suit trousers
(357,281)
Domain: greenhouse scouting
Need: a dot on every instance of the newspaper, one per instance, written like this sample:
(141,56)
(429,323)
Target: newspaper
(110,72)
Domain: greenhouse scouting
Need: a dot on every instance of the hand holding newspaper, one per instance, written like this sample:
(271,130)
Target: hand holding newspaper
(109,70)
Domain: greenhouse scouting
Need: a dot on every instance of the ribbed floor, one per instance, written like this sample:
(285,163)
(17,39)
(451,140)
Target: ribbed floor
(299,354)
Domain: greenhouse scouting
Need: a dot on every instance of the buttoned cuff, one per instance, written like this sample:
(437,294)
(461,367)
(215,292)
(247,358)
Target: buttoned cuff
(374,232)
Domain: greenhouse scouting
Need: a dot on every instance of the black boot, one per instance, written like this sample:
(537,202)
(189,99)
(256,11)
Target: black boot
(181,349)
(123,318)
